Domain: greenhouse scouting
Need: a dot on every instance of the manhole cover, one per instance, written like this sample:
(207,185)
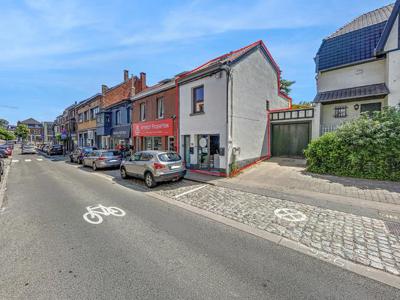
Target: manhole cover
(289,214)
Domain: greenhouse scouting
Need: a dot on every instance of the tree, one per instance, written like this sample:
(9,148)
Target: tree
(6,135)
(3,123)
(22,131)
(302,105)
(286,86)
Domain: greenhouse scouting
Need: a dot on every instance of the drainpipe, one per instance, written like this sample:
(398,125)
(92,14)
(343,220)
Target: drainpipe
(229,117)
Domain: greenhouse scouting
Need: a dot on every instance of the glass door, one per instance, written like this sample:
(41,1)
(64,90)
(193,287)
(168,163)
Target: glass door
(203,153)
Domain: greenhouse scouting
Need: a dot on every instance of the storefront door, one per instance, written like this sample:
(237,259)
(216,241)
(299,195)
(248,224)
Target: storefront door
(208,151)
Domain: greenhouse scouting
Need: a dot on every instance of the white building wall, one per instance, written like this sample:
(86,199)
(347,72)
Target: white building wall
(353,76)
(393,38)
(213,121)
(254,82)
(393,77)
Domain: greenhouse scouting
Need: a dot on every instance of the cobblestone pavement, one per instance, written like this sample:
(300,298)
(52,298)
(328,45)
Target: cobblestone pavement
(359,239)
(290,176)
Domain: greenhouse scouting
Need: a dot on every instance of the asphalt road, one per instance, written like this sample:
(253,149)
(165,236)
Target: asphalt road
(156,251)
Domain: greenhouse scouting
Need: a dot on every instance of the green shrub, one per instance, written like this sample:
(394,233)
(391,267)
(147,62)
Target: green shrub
(368,147)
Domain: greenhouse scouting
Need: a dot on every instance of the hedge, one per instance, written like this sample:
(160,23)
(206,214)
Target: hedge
(368,147)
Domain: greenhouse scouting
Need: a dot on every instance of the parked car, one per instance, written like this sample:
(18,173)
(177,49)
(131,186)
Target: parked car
(154,167)
(100,159)
(45,148)
(7,149)
(55,150)
(3,153)
(79,153)
(1,168)
(28,149)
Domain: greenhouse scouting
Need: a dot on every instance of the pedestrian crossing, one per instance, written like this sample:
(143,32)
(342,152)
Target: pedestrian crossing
(28,160)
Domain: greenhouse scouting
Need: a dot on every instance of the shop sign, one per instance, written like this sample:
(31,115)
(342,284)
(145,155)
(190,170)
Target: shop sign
(154,128)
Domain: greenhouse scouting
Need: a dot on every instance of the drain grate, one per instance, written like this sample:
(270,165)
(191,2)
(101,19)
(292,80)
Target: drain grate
(393,228)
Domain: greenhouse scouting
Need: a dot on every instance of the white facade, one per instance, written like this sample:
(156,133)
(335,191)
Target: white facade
(235,112)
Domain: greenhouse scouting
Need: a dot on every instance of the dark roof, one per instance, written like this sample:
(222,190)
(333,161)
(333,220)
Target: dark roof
(389,25)
(371,18)
(355,41)
(367,91)
(30,121)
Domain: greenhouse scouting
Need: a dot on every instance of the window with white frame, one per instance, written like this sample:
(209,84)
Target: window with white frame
(198,99)
(93,112)
(142,111)
(117,117)
(160,108)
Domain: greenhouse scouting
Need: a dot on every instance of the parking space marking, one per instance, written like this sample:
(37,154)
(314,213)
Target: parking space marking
(15,160)
(190,191)
(28,160)
(39,159)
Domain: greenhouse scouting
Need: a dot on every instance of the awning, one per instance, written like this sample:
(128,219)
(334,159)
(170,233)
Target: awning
(357,93)
(122,132)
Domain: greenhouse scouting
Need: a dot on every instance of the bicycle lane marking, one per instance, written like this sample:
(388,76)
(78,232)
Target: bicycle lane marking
(95,212)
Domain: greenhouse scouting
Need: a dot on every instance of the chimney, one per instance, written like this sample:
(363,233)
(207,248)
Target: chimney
(142,80)
(126,75)
(104,89)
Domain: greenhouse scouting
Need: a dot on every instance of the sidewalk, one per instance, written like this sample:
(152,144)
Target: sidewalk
(287,179)
(363,240)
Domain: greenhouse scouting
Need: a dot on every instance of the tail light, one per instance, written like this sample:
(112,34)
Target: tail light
(102,158)
(158,166)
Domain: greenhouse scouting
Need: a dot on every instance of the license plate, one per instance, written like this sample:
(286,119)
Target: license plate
(175,167)
(113,160)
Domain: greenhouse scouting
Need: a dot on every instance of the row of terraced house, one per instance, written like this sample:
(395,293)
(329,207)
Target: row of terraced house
(215,115)
(230,112)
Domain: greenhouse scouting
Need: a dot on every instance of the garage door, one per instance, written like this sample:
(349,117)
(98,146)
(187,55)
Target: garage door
(290,139)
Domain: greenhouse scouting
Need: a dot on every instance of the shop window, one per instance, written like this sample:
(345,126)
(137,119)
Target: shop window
(340,111)
(198,100)
(117,117)
(160,108)
(142,111)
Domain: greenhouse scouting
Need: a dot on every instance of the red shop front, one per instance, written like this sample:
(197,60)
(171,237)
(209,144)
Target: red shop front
(154,135)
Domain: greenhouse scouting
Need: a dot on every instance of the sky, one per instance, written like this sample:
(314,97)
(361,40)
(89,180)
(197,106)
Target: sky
(53,53)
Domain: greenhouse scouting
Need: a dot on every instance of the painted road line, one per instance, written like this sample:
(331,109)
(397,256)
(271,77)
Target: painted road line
(28,160)
(15,160)
(39,159)
(191,191)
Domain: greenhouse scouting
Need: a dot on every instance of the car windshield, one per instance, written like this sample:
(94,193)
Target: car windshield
(110,153)
(169,156)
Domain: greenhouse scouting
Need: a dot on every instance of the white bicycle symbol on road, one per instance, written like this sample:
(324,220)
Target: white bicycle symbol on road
(289,214)
(95,212)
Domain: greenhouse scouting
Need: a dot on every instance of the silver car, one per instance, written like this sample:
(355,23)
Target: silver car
(100,159)
(154,167)
(28,149)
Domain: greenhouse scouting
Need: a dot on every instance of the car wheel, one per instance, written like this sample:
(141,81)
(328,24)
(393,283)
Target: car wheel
(71,159)
(149,180)
(124,175)
(181,178)
(94,167)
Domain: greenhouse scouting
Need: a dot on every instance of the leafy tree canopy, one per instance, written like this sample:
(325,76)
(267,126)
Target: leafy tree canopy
(22,131)
(286,86)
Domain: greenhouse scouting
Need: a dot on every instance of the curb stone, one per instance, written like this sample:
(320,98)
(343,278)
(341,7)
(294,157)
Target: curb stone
(3,183)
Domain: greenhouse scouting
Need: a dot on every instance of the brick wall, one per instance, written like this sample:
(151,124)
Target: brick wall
(91,123)
(151,105)
(123,91)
